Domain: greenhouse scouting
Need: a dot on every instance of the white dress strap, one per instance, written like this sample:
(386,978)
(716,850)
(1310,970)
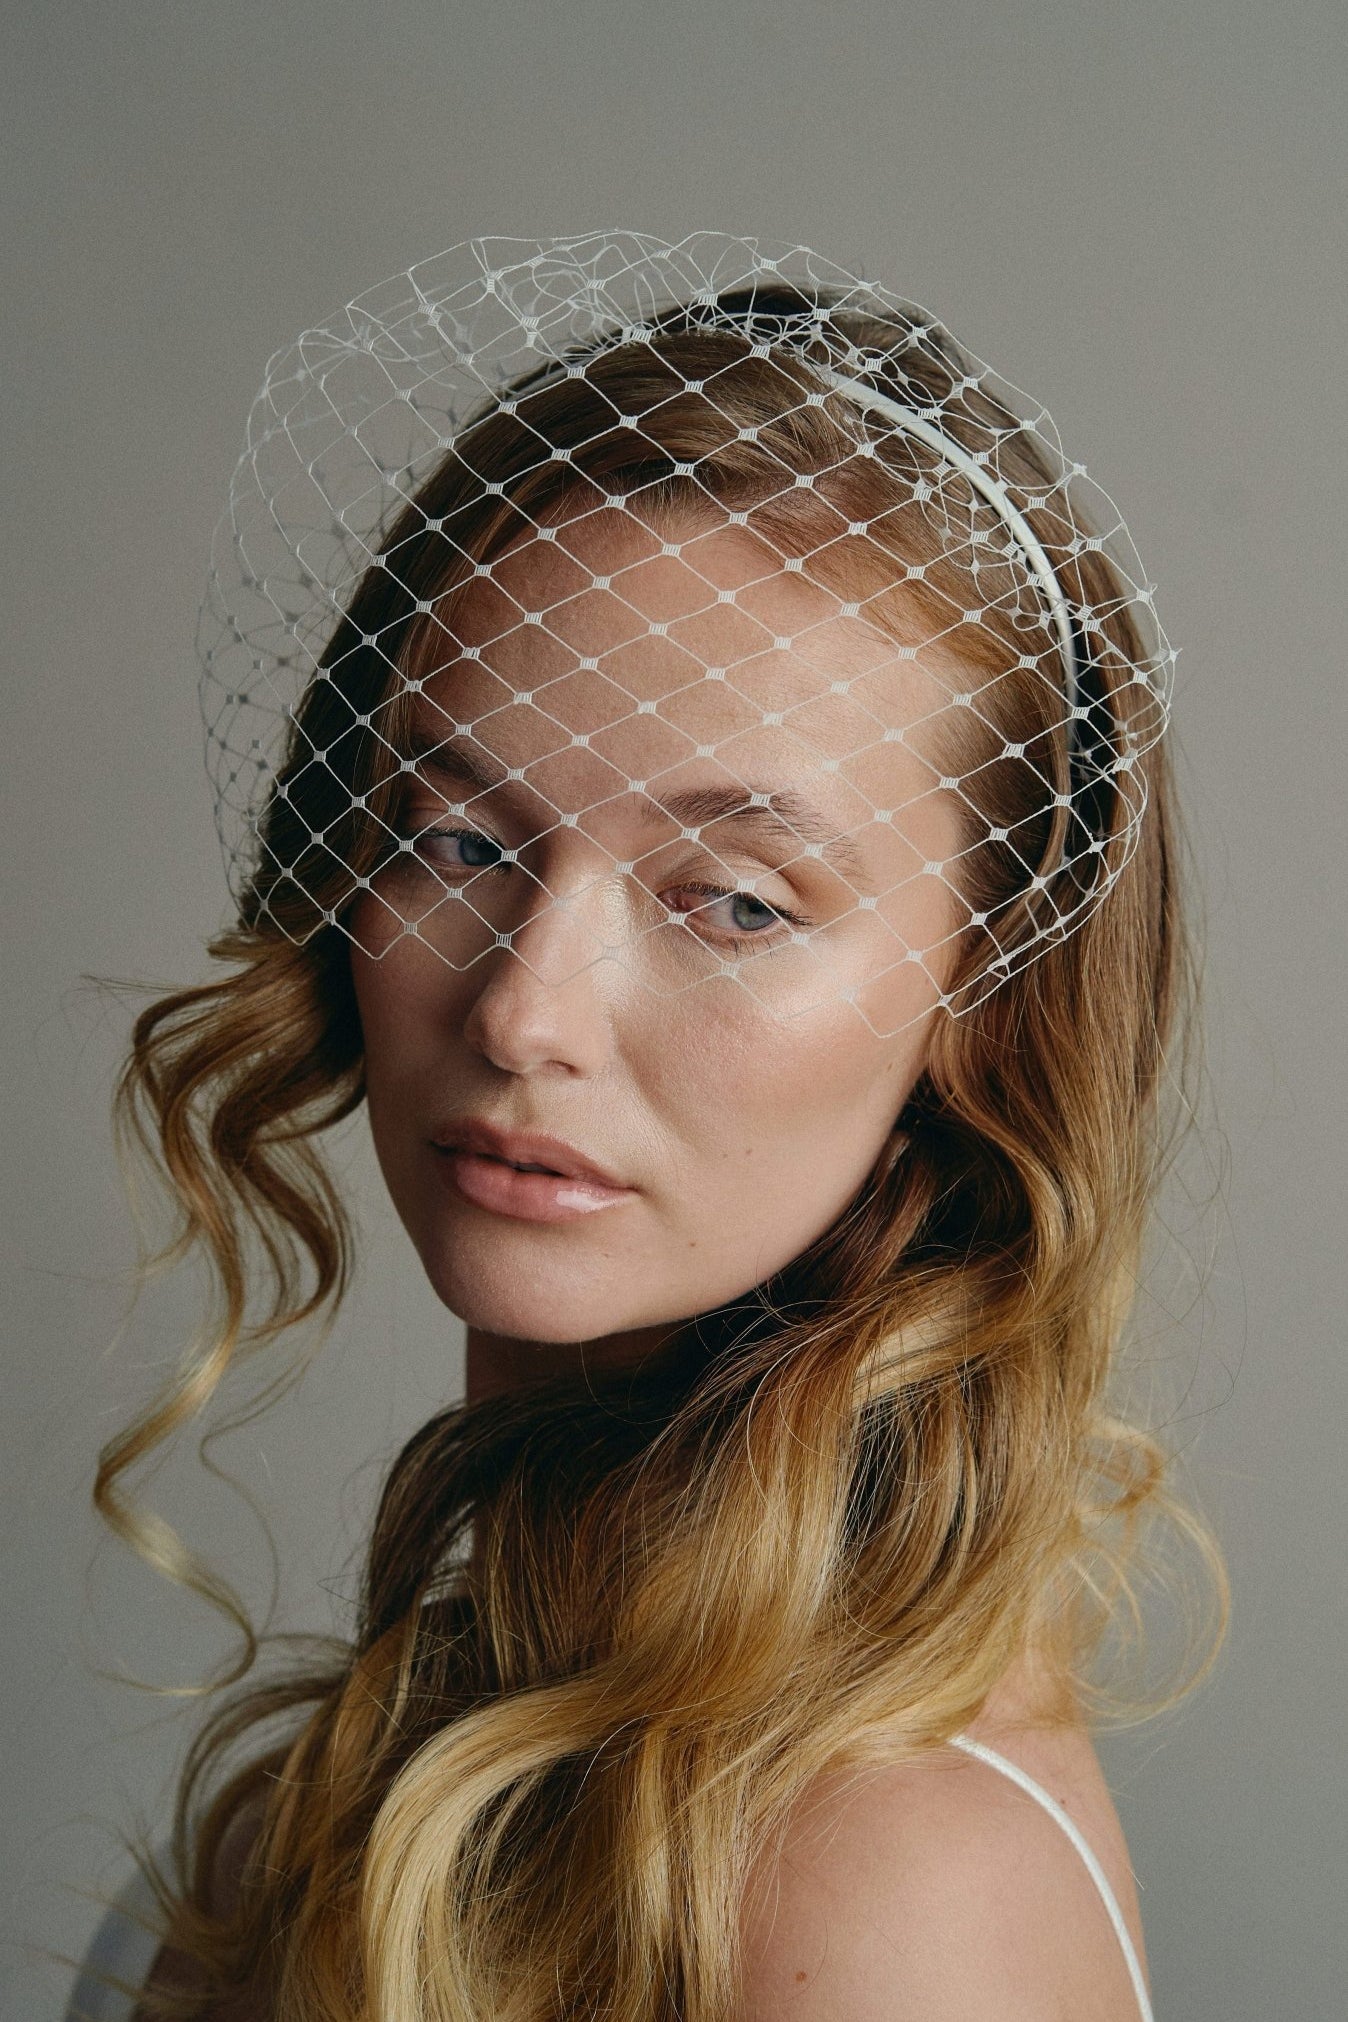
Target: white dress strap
(1096,1872)
(122,1949)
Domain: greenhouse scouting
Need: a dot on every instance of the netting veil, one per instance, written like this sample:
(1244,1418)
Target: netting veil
(696,609)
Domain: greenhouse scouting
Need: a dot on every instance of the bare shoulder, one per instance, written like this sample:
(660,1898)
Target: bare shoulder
(942,1890)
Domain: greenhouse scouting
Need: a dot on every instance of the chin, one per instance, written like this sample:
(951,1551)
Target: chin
(542,1306)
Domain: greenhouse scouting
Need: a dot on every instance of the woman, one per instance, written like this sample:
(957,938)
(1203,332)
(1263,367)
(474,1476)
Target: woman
(718,825)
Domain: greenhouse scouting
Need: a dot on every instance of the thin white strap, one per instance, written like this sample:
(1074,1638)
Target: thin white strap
(1096,1872)
(872,401)
(122,1948)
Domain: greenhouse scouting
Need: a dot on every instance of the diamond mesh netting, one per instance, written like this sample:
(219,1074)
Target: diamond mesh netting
(699,609)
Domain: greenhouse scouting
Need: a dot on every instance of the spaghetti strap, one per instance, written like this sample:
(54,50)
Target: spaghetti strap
(118,1958)
(1096,1872)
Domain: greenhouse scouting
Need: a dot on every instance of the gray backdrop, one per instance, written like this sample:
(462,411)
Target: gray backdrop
(1135,211)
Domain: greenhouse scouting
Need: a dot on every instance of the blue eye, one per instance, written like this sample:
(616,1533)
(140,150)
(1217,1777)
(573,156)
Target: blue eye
(750,918)
(479,851)
(759,915)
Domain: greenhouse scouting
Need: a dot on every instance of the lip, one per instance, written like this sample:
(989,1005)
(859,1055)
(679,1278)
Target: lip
(524,1147)
(479,1162)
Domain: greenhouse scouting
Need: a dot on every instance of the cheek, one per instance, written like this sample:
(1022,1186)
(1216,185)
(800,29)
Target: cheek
(375,1008)
(778,1127)
(406,1003)
(377,996)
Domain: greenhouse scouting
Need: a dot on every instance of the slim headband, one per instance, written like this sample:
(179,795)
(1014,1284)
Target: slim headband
(872,401)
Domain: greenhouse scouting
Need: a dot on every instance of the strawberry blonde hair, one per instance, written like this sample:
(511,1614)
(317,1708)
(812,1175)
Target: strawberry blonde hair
(818,1533)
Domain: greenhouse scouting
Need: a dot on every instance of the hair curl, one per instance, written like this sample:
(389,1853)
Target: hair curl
(819,1533)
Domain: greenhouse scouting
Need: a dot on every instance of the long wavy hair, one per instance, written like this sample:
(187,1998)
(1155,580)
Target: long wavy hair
(608,1634)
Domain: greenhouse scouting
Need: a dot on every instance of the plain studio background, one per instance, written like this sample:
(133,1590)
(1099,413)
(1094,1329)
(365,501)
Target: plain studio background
(1136,212)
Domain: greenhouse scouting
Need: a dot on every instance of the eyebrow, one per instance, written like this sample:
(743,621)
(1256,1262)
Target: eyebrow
(781,811)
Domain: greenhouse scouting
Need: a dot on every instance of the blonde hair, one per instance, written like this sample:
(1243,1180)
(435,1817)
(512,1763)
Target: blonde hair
(818,1532)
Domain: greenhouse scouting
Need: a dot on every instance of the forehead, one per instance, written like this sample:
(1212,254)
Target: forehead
(600,649)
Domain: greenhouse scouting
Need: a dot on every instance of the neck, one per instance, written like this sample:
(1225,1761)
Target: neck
(500,1364)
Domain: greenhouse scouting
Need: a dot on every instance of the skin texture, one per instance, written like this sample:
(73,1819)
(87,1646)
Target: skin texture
(743,1110)
(940,1892)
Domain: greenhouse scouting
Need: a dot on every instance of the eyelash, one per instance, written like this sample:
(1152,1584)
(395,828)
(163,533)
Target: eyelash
(781,916)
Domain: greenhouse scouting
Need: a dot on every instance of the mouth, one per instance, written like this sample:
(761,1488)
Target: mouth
(525,1152)
(524,1175)
(515,1164)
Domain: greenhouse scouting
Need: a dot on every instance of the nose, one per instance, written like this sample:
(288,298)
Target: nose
(542,1002)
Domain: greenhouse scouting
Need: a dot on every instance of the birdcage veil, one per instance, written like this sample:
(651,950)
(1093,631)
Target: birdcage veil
(702,596)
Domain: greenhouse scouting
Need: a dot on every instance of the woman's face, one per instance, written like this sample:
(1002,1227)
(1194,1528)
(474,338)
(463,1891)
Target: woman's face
(653,1015)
